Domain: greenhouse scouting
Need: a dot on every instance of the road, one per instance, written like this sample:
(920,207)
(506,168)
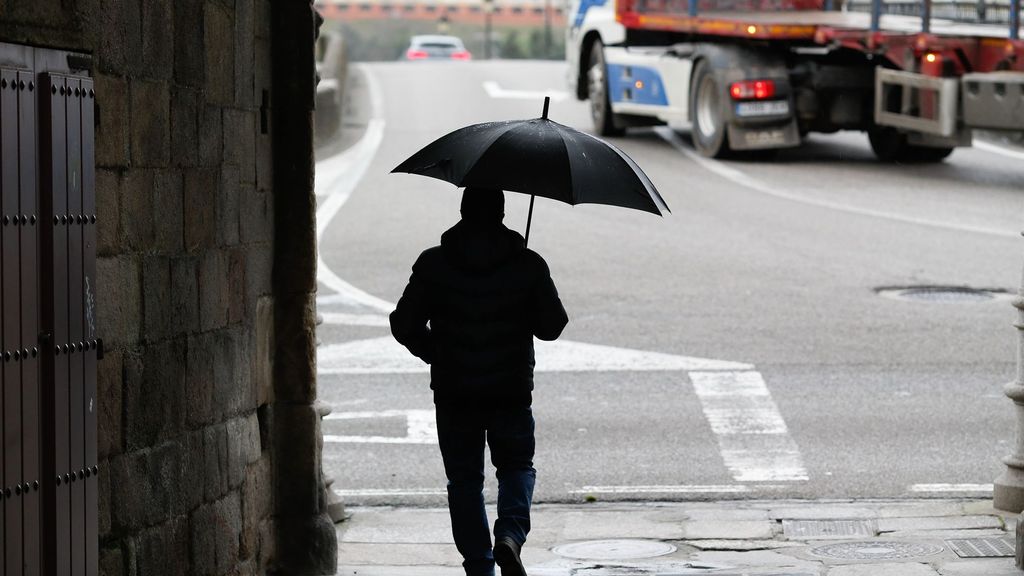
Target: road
(737,348)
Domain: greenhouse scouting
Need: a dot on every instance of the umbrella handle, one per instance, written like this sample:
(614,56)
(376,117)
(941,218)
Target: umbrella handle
(529,220)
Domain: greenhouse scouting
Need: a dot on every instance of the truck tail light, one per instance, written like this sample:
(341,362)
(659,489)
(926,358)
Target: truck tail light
(752,90)
(413,54)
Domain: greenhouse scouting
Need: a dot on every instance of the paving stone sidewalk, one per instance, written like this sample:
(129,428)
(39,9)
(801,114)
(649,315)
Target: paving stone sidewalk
(734,538)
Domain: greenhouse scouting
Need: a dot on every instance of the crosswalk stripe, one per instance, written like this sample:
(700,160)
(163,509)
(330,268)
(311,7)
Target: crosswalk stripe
(752,436)
(421,427)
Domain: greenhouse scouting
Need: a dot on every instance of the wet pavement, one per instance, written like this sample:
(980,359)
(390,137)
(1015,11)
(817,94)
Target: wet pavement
(731,538)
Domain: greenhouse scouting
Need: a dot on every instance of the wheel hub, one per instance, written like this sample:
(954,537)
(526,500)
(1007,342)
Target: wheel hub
(707,108)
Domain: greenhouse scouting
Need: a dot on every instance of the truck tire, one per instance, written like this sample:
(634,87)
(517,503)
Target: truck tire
(597,92)
(709,127)
(890,145)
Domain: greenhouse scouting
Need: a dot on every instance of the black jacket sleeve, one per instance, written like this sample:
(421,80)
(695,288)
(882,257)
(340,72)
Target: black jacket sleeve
(409,320)
(549,317)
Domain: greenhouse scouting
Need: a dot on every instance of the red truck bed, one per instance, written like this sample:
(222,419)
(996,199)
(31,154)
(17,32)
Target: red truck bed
(798,23)
(985,46)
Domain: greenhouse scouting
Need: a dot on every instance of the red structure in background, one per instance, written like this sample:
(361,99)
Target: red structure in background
(519,14)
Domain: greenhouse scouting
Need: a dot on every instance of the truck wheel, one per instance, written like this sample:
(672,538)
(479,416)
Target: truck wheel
(597,92)
(709,137)
(890,145)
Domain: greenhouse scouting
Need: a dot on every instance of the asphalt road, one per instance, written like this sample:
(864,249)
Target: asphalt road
(818,387)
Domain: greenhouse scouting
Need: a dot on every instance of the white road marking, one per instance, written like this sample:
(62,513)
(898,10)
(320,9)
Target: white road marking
(996,148)
(751,183)
(986,488)
(355,319)
(338,176)
(386,356)
(334,439)
(421,427)
(392,492)
(752,436)
(494,90)
(685,489)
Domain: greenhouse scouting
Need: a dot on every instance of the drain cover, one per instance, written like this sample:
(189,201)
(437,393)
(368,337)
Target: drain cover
(941,294)
(614,549)
(809,529)
(997,547)
(875,550)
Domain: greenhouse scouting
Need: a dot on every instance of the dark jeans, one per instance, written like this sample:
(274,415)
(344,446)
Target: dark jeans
(461,432)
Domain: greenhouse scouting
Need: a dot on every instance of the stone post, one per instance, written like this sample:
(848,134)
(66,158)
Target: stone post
(306,542)
(1009,486)
(335,505)
(1019,550)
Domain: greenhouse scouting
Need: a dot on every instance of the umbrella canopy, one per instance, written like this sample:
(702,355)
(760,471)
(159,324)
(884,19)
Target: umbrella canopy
(538,157)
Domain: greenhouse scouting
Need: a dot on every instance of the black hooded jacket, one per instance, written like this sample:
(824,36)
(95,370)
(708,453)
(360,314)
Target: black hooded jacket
(485,296)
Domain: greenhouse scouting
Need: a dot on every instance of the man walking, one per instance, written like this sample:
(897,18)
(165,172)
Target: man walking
(471,310)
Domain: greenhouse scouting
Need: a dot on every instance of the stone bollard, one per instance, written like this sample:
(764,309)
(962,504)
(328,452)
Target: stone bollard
(1019,550)
(335,505)
(1009,486)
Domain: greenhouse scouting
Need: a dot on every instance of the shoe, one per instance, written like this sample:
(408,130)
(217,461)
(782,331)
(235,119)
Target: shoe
(506,555)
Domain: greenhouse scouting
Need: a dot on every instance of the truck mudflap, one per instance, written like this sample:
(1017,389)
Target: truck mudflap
(994,100)
(760,137)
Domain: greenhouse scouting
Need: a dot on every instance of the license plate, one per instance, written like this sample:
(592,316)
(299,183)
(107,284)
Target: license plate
(772,108)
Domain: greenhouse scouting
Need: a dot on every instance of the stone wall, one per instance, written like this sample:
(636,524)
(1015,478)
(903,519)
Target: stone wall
(191,307)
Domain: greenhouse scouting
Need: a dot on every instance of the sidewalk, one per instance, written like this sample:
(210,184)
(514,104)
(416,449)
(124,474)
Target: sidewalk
(734,538)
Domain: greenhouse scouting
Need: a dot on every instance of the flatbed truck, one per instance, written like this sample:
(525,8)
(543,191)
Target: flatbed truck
(758,75)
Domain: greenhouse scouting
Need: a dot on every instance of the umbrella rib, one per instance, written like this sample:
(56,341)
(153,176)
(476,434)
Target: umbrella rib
(568,159)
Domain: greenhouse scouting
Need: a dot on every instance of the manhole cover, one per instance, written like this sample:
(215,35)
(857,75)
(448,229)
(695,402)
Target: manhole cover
(941,294)
(997,547)
(614,549)
(846,529)
(876,550)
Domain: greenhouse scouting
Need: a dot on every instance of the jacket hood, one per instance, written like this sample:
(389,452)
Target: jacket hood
(480,248)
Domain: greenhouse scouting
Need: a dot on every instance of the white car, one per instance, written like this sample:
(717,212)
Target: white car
(436,47)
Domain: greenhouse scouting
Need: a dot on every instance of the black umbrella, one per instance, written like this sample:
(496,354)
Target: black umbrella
(541,158)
